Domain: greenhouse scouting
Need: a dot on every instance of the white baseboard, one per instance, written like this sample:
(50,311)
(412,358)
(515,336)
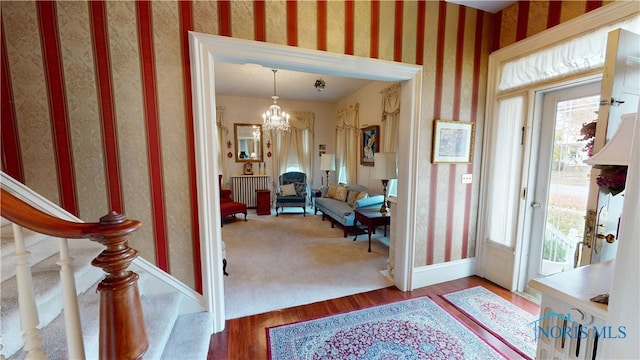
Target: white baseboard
(438,273)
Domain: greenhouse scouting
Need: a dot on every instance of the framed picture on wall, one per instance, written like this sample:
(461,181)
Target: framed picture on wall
(452,142)
(370,144)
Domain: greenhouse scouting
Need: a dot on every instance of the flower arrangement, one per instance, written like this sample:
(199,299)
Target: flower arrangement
(319,84)
(588,132)
(612,179)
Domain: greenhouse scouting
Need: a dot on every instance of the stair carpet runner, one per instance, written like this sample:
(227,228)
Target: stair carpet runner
(170,335)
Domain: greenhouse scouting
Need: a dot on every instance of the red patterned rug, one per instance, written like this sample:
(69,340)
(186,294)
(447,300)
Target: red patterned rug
(508,322)
(410,329)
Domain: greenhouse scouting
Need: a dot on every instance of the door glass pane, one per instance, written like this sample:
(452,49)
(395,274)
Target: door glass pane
(569,184)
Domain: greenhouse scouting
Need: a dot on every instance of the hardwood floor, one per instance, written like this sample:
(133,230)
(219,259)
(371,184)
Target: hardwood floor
(245,338)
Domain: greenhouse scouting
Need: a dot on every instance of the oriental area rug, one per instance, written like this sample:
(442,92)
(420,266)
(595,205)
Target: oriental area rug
(506,321)
(410,329)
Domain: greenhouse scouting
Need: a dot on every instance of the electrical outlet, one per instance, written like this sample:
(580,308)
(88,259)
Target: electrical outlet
(467,178)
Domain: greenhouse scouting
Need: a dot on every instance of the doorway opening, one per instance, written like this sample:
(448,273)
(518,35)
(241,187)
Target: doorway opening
(206,50)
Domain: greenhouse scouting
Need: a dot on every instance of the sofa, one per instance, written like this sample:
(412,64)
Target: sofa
(339,206)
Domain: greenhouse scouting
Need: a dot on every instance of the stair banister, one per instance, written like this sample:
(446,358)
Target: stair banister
(29,319)
(122,329)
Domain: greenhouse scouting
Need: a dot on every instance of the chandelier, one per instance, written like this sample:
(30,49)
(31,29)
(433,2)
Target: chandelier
(275,118)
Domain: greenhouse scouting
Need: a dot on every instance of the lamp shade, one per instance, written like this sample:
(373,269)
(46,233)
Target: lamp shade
(328,162)
(384,166)
(618,150)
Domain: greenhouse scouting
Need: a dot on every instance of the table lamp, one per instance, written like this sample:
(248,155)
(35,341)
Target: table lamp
(328,163)
(384,168)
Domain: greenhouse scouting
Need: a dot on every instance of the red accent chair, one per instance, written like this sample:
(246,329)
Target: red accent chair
(228,207)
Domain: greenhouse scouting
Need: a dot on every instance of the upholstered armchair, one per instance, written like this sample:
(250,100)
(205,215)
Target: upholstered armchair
(292,191)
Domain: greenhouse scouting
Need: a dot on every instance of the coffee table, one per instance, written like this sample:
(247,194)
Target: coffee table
(371,218)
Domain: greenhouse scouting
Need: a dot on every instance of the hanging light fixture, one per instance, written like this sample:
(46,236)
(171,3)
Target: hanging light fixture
(275,118)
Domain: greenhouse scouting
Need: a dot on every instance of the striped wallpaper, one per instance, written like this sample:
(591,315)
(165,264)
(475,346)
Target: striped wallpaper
(96,100)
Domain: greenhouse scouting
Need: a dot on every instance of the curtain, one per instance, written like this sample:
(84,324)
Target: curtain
(576,55)
(222,132)
(347,134)
(301,135)
(504,174)
(390,117)
(295,141)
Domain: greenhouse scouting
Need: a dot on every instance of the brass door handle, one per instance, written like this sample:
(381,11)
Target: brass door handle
(610,238)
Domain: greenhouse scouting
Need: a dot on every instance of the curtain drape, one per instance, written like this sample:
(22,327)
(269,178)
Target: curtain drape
(222,132)
(505,172)
(390,117)
(297,140)
(576,55)
(301,135)
(347,151)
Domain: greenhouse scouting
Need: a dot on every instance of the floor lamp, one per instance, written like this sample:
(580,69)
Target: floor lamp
(384,168)
(328,163)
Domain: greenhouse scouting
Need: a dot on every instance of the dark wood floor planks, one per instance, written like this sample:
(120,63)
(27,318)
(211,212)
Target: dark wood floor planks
(245,338)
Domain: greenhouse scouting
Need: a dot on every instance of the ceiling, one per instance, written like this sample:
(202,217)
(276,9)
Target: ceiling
(252,80)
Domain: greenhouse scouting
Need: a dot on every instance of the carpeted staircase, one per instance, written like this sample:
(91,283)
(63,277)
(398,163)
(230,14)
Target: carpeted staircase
(171,335)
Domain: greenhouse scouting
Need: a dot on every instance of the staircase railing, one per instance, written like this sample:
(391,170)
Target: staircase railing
(122,330)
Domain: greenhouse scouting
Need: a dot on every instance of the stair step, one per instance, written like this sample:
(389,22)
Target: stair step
(190,337)
(46,280)
(52,335)
(160,313)
(33,242)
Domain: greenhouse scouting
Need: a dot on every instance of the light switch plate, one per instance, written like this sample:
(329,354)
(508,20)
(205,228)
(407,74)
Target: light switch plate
(467,178)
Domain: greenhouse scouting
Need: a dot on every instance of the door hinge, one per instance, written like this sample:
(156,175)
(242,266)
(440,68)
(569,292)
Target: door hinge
(612,102)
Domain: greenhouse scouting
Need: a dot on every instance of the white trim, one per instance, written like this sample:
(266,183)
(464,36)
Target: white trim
(205,51)
(439,273)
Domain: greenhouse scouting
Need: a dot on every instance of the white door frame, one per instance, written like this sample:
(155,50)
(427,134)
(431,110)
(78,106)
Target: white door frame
(609,14)
(205,51)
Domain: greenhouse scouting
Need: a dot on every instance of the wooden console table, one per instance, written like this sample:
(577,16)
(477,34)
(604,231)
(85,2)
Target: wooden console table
(371,219)
(263,197)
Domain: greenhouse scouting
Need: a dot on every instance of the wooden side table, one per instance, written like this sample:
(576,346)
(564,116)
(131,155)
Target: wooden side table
(263,200)
(371,219)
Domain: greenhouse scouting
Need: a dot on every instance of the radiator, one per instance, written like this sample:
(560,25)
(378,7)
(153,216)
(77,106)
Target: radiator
(244,188)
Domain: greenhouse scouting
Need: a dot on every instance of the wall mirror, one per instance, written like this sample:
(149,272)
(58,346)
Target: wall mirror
(248,142)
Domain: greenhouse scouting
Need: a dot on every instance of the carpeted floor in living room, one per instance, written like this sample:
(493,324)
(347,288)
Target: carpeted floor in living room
(290,260)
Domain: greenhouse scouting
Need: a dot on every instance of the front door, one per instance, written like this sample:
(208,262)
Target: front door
(561,190)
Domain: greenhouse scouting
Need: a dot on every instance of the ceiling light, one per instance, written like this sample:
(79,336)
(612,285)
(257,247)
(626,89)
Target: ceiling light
(275,118)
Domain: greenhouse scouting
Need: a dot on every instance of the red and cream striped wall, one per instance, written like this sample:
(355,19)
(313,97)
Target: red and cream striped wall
(96,100)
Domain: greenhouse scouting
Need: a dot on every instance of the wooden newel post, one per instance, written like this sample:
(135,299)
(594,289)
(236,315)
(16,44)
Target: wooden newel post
(123,333)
